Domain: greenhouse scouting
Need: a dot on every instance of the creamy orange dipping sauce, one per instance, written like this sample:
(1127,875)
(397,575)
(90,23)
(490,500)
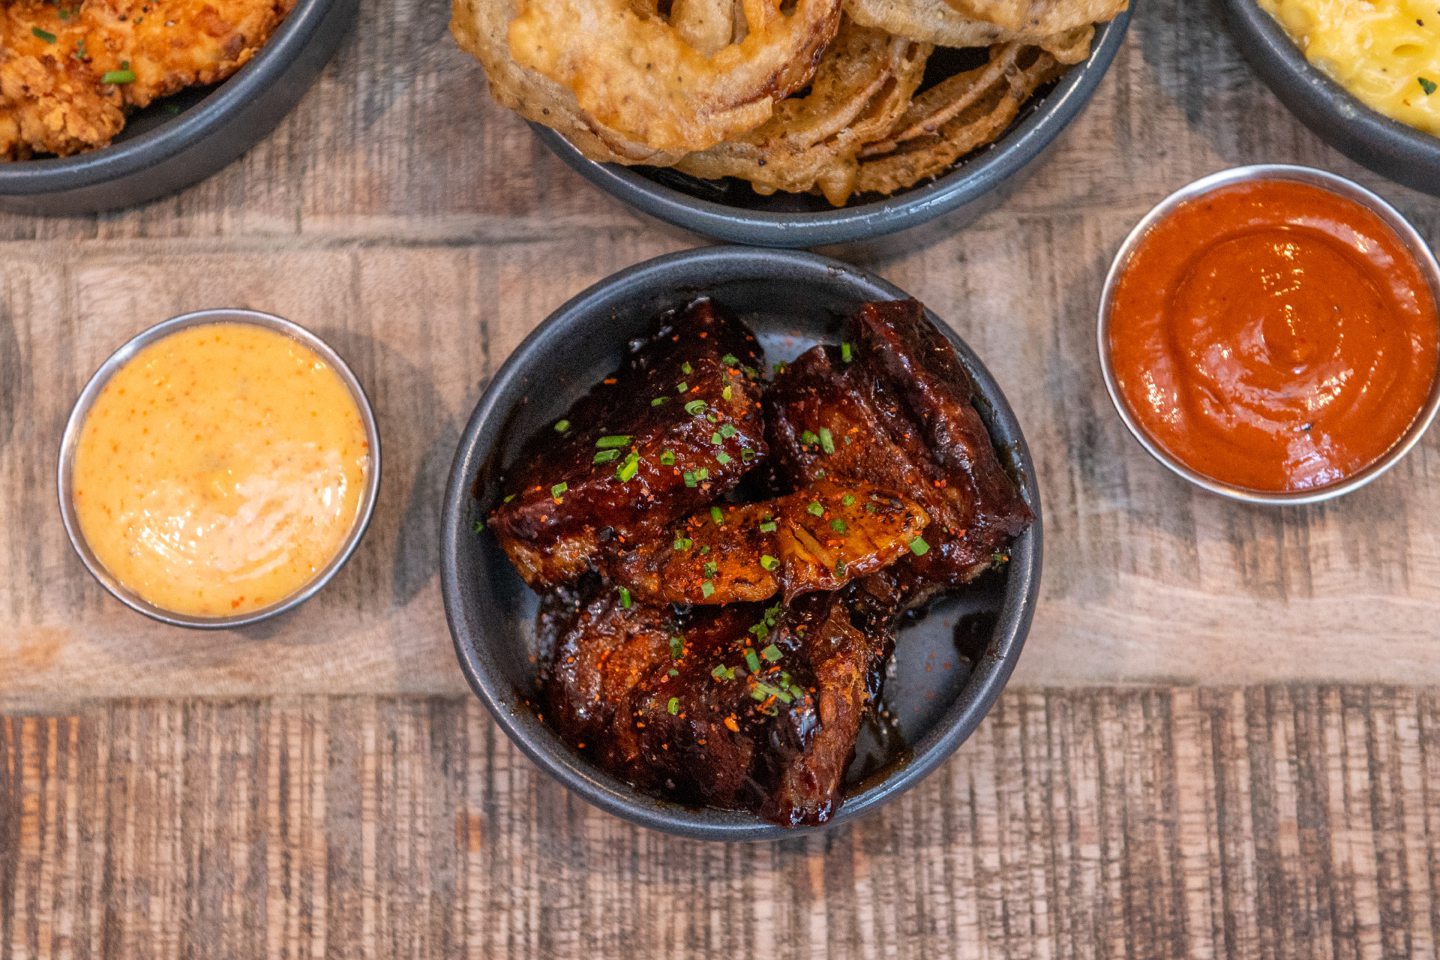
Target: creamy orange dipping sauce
(220,469)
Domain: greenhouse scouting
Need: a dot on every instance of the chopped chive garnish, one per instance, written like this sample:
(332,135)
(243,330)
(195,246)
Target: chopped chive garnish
(919,547)
(764,690)
(673,706)
(704,549)
(727,430)
(769,526)
(667,457)
(845,353)
(707,589)
(659,401)
(689,478)
(771,653)
(478,526)
(559,489)
(814,509)
(747,455)
(730,360)
(722,672)
(681,387)
(695,407)
(752,661)
(716,439)
(848,500)
(677,646)
(827,442)
(625,598)
(686,369)
(717,515)
(562,425)
(727,393)
(117,76)
(711,568)
(508,498)
(1428,85)
(702,474)
(839,568)
(629,468)
(837,525)
(723,458)
(683,543)
(672,672)
(49,37)
(768,562)
(612,441)
(605,456)
(809,437)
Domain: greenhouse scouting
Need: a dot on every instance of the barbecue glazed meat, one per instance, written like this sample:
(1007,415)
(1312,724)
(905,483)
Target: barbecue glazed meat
(817,538)
(900,414)
(71,70)
(739,707)
(674,428)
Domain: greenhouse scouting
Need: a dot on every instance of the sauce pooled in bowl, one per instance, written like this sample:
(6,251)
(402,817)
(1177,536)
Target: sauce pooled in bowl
(1274,336)
(220,469)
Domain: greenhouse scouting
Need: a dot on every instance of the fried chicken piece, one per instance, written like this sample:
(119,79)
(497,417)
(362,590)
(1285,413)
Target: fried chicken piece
(677,426)
(900,411)
(739,707)
(818,538)
(55,56)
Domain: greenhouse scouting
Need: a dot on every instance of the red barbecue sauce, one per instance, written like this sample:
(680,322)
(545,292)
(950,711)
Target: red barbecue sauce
(1274,336)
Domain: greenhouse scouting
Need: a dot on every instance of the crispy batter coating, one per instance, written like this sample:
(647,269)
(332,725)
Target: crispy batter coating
(55,56)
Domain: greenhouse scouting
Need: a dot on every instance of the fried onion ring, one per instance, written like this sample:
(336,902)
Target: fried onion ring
(639,76)
(961,114)
(940,23)
(862,86)
(479,26)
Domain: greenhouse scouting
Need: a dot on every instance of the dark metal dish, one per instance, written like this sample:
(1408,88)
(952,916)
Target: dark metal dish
(949,666)
(732,212)
(1389,147)
(186,138)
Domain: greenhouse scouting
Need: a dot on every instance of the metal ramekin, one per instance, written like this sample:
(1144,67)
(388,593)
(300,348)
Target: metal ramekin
(1269,171)
(122,356)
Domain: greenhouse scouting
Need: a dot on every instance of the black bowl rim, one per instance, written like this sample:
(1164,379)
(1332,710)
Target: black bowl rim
(611,794)
(967,183)
(1383,144)
(129,157)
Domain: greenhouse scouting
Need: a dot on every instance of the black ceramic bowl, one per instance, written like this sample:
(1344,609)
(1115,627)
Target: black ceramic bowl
(1389,147)
(729,210)
(949,666)
(186,138)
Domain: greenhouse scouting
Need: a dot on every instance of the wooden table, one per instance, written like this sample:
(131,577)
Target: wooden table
(1223,739)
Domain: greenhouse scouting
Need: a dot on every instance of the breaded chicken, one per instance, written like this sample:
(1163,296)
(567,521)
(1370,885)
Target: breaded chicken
(71,69)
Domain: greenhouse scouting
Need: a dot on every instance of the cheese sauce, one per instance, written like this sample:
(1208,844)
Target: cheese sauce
(220,469)
(1274,336)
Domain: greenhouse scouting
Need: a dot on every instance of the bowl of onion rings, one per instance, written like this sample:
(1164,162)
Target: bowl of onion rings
(796,123)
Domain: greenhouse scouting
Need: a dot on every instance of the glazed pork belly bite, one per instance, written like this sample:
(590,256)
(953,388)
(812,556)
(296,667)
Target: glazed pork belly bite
(893,406)
(740,707)
(676,427)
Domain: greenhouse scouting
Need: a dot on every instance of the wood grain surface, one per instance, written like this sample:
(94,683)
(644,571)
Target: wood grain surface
(1274,822)
(424,231)
(1221,740)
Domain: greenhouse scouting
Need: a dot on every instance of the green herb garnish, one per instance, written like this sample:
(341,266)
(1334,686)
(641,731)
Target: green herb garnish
(919,547)
(612,441)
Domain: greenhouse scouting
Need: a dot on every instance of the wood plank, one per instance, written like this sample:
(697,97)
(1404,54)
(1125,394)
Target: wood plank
(425,232)
(1169,822)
